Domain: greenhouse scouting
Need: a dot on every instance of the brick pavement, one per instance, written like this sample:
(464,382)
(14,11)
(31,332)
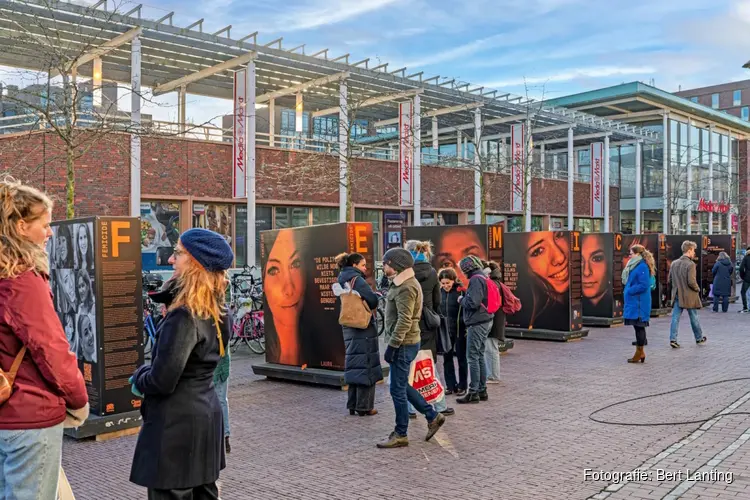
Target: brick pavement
(532,440)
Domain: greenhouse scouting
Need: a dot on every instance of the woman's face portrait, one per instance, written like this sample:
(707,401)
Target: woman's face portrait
(362,266)
(61,247)
(69,327)
(284,282)
(83,241)
(88,338)
(446,284)
(179,260)
(83,286)
(547,257)
(456,244)
(594,281)
(68,285)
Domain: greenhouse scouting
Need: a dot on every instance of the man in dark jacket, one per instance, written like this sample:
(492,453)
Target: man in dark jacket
(745,275)
(723,272)
(478,324)
(685,294)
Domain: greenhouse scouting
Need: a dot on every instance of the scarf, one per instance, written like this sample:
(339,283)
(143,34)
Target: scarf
(631,265)
(418,256)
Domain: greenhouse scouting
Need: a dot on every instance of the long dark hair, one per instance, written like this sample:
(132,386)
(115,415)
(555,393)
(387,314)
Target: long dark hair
(348,259)
(63,231)
(88,300)
(89,264)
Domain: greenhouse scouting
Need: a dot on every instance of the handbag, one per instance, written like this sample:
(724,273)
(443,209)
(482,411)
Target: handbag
(7,378)
(355,313)
(430,318)
(445,343)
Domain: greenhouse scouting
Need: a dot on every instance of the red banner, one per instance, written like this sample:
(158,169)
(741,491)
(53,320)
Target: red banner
(406,154)
(239,150)
(597,179)
(518,166)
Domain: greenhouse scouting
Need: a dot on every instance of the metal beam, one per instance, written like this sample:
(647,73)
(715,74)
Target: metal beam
(597,135)
(435,112)
(636,114)
(302,86)
(104,48)
(602,104)
(137,9)
(372,101)
(168,16)
(487,123)
(199,75)
(227,29)
(323,52)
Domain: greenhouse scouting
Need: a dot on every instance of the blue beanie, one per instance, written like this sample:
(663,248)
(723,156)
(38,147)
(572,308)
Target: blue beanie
(210,249)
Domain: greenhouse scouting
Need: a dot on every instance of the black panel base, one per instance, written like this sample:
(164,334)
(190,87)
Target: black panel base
(314,376)
(505,346)
(602,322)
(710,302)
(557,336)
(96,425)
(660,313)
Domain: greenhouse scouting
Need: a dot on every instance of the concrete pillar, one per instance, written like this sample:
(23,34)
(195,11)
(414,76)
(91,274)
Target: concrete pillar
(97,82)
(729,185)
(135,120)
(435,141)
(690,187)
(528,176)
(181,109)
(477,167)
(417,177)
(343,149)
(250,115)
(606,184)
(271,122)
(571,175)
(711,151)
(665,172)
(638,175)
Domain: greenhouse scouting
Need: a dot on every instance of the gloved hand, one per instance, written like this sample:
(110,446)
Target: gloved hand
(76,417)
(390,353)
(134,389)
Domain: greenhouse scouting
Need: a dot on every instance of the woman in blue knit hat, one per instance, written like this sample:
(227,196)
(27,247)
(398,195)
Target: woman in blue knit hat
(180,449)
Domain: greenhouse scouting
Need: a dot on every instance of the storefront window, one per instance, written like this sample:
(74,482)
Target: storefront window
(516,223)
(263,216)
(325,215)
(627,171)
(362,215)
(160,230)
(291,217)
(558,223)
(214,217)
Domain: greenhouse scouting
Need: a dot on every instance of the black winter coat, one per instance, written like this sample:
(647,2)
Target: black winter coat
(428,280)
(745,268)
(450,308)
(498,322)
(362,360)
(181,443)
(474,304)
(723,272)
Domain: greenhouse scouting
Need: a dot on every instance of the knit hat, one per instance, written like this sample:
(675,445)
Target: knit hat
(210,249)
(399,259)
(470,263)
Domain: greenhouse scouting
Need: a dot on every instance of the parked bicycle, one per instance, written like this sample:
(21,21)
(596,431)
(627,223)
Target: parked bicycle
(380,311)
(246,307)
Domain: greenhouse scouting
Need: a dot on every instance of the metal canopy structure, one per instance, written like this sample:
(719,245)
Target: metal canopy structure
(175,57)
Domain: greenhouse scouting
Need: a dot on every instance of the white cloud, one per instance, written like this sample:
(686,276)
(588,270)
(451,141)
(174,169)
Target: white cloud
(326,13)
(573,74)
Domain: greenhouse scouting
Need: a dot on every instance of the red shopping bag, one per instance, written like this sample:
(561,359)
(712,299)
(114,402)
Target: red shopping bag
(423,377)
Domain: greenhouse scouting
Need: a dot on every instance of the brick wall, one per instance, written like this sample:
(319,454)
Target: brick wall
(174,167)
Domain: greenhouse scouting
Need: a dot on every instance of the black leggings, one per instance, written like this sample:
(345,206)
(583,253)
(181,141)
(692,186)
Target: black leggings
(640,336)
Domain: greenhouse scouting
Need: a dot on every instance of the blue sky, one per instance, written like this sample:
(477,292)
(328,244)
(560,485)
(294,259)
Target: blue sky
(545,48)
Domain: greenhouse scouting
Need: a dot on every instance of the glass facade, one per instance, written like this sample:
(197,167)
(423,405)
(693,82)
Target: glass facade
(737,98)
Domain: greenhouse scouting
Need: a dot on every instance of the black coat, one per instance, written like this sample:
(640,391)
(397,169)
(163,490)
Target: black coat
(181,441)
(362,360)
(428,280)
(745,268)
(723,272)
(498,322)
(450,308)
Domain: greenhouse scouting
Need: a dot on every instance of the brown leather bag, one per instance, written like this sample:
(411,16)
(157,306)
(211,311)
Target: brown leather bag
(7,378)
(355,313)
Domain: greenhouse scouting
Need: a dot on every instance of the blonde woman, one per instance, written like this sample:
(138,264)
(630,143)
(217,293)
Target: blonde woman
(180,448)
(48,380)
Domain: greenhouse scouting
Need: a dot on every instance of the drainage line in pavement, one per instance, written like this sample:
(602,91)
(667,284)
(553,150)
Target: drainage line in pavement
(687,422)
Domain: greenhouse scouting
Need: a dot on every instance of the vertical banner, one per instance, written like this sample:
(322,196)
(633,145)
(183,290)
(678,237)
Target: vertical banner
(298,109)
(406,154)
(239,149)
(597,179)
(394,225)
(518,166)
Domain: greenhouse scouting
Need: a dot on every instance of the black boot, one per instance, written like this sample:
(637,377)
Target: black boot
(470,398)
(227,447)
(483,395)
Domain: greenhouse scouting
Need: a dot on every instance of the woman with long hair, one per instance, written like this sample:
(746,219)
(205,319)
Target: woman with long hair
(180,451)
(63,247)
(87,335)
(362,362)
(84,247)
(452,291)
(639,277)
(84,292)
(48,384)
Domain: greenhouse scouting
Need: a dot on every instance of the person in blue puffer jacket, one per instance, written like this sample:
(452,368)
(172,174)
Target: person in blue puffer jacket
(639,278)
(362,368)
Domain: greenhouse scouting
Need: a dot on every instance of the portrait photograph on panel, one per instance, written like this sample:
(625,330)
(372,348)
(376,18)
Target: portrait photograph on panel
(83,243)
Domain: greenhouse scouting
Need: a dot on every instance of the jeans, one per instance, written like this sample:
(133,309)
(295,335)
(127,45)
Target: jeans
(31,462)
(221,392)
(457,353)
(492,358)
(360,397)
(745,288)
(477,338)
(402,393)
(724,303)
(676,313)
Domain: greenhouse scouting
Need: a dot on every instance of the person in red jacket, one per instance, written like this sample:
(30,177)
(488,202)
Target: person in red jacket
(48,386)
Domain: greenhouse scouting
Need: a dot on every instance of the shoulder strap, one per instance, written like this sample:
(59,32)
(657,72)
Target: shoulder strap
(16,365)
(351,284)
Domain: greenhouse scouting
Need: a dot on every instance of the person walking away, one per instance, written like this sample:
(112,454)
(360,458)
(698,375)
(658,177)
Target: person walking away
(478,325)
(497,333)
(639,277)
(723,272)
(685,294)
(403,310)
(362,368)
(428,280)
(745,275)
(451,291)
(180,453)
(221,384)
(48,387)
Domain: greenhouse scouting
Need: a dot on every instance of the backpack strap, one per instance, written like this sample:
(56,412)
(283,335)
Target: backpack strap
(16,365)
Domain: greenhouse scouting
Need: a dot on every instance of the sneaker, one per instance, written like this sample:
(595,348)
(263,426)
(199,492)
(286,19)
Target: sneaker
(448,412)
(701,341)
(460,392)
(395,441)
(744,311)
(469,398)
(448,392)
(674,344)
(493,381)
(434,426)
(483,395)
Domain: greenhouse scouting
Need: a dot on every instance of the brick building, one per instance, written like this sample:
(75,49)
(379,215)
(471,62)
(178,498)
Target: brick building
(732,98)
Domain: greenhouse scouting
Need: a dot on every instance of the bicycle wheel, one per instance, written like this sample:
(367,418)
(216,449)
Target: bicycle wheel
(254,335)
(380,321)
